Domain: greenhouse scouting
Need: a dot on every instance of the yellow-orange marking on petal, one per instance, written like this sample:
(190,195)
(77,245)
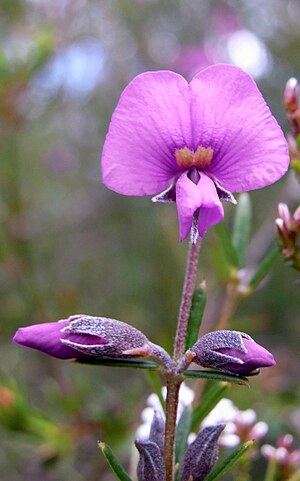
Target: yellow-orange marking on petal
(200,159)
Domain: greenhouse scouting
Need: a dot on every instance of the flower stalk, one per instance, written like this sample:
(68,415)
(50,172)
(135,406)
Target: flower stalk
(186,298)
(173,381)
(173,386)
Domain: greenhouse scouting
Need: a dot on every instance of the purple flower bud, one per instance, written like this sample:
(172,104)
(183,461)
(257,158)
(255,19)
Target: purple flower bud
(201,455)
(157,430)
(83,336)
(151,464)
(231,351)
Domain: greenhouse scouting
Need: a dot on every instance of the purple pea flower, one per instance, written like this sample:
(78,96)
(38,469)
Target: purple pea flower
(83,337)
(231,351)
(193,143)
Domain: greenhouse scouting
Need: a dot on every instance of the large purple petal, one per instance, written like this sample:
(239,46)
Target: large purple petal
(151,120)
(202,196)
(229,114)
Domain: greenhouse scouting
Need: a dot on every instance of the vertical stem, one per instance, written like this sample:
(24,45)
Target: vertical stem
(173,383)
(170,430)
(186,299)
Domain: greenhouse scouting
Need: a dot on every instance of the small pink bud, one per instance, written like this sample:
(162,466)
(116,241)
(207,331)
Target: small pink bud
(291,95)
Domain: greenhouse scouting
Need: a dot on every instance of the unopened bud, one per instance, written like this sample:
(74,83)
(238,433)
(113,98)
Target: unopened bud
(288,229)
(201,455)
(291,95)
(151,465)
(231,351)
(157,430)
(83,336)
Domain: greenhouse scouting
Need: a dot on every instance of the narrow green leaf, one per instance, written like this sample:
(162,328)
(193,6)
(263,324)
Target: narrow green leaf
(218,375)
(271,471)
(157,386)
(242,227)
(133,363)
(113,462)
(208,402)
(182,432)
(298,141)
(196,315)
(227,245)
(264,267)
(232,459)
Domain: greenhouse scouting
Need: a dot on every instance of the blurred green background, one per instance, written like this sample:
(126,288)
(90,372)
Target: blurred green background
(68,245)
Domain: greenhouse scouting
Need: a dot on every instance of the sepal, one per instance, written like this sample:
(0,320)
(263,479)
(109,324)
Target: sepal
(151,464)
(201,455)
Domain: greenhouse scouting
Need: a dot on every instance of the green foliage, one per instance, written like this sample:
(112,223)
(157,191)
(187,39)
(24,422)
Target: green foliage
(227,244)
(264,267)
(242,227)
(182,432)
(230,461)
(17,414)
(217,375)
(131,363)
(196,315)
(113,462)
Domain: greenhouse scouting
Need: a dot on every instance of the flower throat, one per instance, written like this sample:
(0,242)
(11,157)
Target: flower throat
(201,158)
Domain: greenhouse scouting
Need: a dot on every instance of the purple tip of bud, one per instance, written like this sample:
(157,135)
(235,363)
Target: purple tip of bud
(47,337)
(253,359)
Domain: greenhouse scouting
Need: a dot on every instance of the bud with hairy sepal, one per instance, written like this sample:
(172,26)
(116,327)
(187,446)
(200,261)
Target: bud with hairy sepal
(157,430)
(151,465)
(82,337)
(230,351)
(201,455)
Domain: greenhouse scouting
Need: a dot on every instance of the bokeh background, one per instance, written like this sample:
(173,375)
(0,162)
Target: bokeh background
(68,245)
